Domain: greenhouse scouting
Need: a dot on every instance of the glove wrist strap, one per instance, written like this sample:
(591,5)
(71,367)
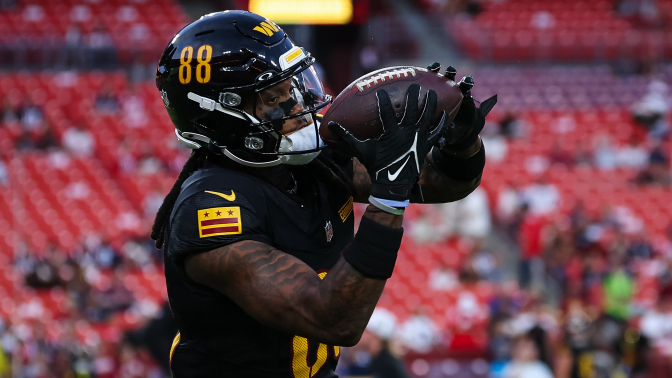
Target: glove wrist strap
(374,250)
(459,169)
(389,206)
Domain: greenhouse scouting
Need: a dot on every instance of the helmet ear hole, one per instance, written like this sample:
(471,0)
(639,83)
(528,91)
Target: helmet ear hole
(230,99)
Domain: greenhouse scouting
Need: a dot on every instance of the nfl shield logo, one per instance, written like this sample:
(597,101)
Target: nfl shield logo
(329,230)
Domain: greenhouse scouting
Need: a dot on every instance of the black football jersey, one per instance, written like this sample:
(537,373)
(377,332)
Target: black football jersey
(217,207)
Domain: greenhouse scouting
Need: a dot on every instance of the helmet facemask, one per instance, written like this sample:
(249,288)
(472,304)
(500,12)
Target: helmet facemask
(284,125)
(290,108)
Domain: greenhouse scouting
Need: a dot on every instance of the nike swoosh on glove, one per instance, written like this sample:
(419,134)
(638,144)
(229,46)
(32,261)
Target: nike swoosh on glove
(395,158)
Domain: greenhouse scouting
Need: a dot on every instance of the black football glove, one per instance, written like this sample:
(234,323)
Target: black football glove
(394,159)
(468,123)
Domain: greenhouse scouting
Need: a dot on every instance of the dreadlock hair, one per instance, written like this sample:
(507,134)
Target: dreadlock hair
(194,162)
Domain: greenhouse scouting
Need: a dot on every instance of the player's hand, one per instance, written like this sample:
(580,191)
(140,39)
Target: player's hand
(394,159)
(469,120)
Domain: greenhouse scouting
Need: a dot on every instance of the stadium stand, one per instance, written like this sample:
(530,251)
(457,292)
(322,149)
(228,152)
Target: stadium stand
(68,208)
(60,198)
(542,30)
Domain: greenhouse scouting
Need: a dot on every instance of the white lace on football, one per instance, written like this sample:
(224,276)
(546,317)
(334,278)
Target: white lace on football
(373,80)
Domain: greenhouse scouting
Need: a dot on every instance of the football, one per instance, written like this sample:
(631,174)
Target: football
(356,107)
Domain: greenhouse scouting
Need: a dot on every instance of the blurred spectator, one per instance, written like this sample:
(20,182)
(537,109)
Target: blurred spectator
(582,155)
(419,333)
(148,164)
(469,216)
(509,202)
(4,174)
(139,71)
(472,8)
(31,116)
(11,114)
(577,324)
(127,160)
(642,13)
(40,138)
(657,171)
(7,4)
(43,272)
(542,197)
(135,252)
(639,248)
(130,363)
(442,279)
(436,223)
(133,107)
(605,154)
(473,215)
(495,143)
(652,110)
(108,298)
(634,155)
(507,301)
(45,139)
(525,362)
(534,317)
(5,364)
(157,335)
(78,141)
(376,342)
(78,190)
(73,37)
(656,323)
(500,343)
(618,291)
(531,268)
(106,101)
(488,266)
(152,203)
(102,50)
(560,157)
(511,126)
(102,253)
(72,55)
(128,221)
(542,20)
(175,165)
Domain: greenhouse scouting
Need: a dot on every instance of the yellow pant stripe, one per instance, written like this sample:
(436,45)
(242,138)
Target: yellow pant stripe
(176,341)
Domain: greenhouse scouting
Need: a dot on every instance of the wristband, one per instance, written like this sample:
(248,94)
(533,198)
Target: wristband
(389,206)
(374,250)
(460,169)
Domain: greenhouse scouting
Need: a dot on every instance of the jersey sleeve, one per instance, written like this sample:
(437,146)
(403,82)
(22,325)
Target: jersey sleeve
(210,219)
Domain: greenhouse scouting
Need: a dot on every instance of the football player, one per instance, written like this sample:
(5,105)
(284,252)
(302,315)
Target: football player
(265,275)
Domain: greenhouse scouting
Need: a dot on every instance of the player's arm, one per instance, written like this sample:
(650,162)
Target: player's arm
(282,292)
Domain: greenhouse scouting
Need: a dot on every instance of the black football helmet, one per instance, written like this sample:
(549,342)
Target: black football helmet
(213,68)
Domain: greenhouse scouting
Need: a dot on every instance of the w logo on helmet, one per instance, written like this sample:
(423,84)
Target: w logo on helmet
(267,28)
